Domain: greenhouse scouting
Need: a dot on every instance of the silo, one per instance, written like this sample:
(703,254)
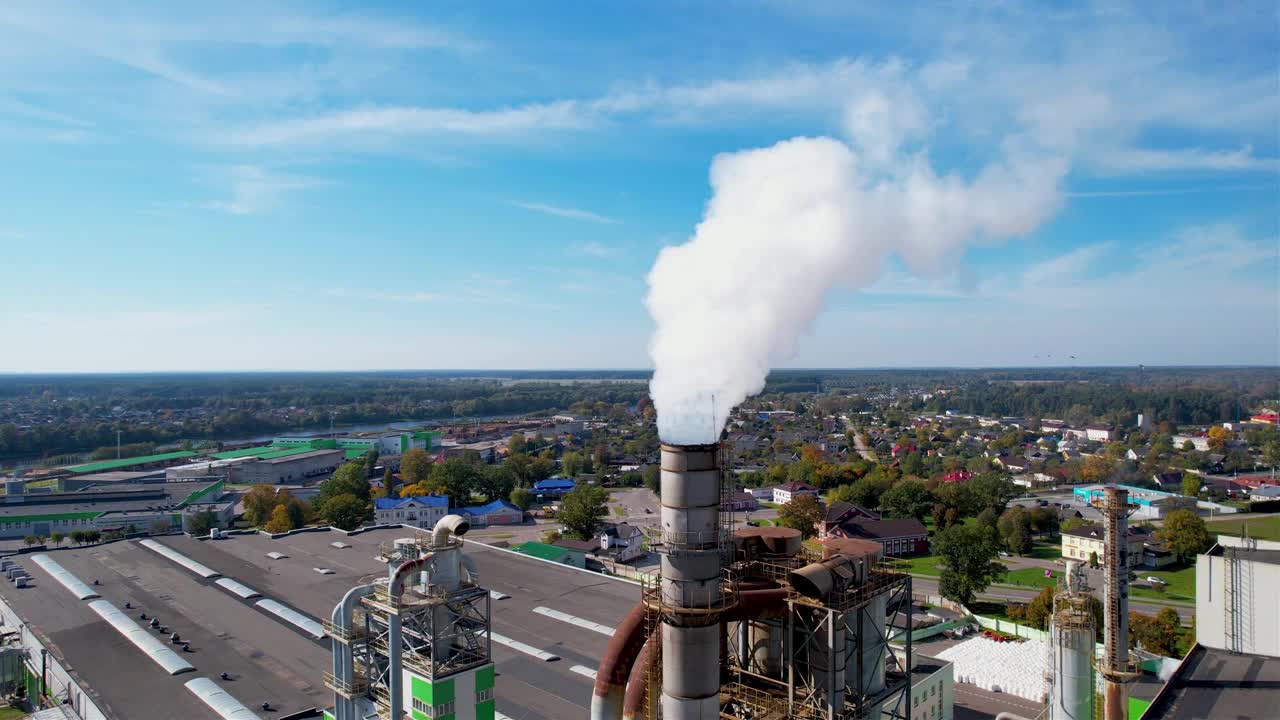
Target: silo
(1071,643)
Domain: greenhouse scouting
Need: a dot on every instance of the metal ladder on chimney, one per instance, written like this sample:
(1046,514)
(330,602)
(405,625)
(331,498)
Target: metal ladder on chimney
(1231,598)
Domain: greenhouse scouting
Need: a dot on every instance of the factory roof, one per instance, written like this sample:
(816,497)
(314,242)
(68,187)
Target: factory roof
(97,501)
(244,452)
(1270,557)
(1213,683)
(129,462)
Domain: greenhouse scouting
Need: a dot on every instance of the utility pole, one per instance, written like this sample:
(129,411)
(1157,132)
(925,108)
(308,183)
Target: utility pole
(117,444)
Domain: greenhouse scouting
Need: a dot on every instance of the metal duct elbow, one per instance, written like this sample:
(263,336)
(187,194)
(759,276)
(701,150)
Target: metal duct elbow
(639,689)
(396,586)
(821,578)
(616,664)
(455,524)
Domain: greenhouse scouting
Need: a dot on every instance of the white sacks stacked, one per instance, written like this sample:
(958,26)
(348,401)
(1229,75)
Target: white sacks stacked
(1016,668)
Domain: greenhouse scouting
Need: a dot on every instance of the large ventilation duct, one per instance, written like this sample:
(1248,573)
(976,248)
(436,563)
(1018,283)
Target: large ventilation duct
(616,665)
(691,586)
(346,707)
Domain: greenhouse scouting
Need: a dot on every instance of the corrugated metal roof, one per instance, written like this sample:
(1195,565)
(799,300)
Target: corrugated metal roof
(144,640)
(128,462)
(221,701)
(64,576)
(424,500)
(541,550)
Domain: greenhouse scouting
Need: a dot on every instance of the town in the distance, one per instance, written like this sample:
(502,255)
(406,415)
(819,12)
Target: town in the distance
(489,547)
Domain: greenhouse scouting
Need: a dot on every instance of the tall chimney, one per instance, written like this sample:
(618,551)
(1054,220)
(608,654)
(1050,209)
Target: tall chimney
(691,591)
(1116,671)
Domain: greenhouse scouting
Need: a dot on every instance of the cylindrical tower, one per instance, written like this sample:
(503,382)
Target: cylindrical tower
(691,583)
(1071,643)
(1116,671)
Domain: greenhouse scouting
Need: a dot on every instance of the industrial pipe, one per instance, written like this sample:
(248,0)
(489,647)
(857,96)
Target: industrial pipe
(638,687)
(395,643)
(343,660)
(616,665)
(455,524)
(473,575)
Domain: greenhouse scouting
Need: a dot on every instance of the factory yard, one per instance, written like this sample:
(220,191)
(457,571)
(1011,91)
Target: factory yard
(270,660)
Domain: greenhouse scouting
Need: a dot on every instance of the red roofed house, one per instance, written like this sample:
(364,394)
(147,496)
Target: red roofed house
(957,476)
(900,537)
(1266,417)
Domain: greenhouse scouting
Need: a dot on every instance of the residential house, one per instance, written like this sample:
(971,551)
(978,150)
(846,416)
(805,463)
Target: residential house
(957,476)
(498,512)
(1265,492)
(1171,481)
(419,511)
(622,542)
(740,501)
(898,537)
(555,487)
(1082,542)
(1136,454)
(552,553)
(762,493)
(841,512)
(1014,464)
(586,547)
(785,492)
(1155,555)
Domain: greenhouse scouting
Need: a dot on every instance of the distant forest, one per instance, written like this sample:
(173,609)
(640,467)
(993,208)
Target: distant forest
(48,415)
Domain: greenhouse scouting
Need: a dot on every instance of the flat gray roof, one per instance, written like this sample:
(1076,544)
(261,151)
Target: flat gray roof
(1219,684)
(271,660)
(87,500)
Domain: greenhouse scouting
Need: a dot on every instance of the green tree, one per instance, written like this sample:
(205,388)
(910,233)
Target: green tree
(202,522)
(521,498)
(299,511)
(969,561)
(1071,523)
(1093,559)
(572,464)
(57,538)
(908,498)
(867,491)
(258,504)
(370,460)
(30,540)
(1271,453)
(456,478)
(77,537)
(803,513)
(652,478)
(1190,484)
(1040,609)
(389,483)
(582,509)
(415,466)
(516,443)
(350,479)
(993,490)
(1154,633)
(1015,528)
(279,521)
(496,481)
(344,511)
(1185,534)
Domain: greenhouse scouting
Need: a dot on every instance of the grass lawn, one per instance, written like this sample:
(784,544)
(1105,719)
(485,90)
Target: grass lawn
(925,565)
(1182,584)
(1046,551)
(12,713)
(1267,528)
(990,609)
(772,505)
(1030,577)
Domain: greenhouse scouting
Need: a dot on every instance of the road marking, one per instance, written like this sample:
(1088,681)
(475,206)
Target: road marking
(498,595)
(584,671)
(574,620)
(523,647)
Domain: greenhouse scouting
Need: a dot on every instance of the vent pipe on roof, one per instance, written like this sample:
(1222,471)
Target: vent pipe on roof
(449,524)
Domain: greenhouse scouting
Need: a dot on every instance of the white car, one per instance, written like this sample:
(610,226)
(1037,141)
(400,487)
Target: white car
(1155,580)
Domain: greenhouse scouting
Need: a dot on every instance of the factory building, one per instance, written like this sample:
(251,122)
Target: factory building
(144,507)
(420,512)
(393,443)
(294,465)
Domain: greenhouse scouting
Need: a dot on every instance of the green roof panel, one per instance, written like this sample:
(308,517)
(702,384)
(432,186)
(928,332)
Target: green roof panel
(129,462)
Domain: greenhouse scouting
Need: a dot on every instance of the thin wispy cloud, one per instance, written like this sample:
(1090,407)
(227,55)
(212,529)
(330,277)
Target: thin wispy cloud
(571,213)
(599,250)
(255,189)
(1157,192)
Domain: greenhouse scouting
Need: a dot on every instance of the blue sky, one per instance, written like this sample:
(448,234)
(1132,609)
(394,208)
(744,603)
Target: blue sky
(452,185)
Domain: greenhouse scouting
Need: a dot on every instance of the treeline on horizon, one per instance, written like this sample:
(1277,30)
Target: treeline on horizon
(77,413)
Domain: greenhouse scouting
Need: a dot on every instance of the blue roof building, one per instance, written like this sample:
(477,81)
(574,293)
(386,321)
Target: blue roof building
(432,501)
(498,512)
(555,484)
(419,511)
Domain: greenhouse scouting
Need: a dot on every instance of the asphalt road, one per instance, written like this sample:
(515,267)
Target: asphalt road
(928,585)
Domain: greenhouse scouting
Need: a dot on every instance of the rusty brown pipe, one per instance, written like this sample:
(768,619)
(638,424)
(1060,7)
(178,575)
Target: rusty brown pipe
(616,665)
(638,683)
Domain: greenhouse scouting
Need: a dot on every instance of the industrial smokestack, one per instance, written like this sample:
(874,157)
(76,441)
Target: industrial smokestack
(1117,671)
(787,223)
(691,593)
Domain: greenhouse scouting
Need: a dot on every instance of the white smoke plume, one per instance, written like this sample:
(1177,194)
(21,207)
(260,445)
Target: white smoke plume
(787,223)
